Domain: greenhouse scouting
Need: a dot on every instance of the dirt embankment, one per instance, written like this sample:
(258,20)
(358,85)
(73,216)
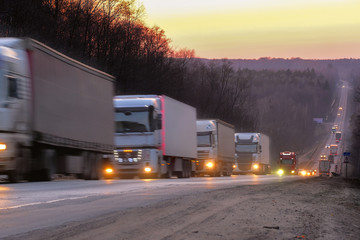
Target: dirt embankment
(315,208)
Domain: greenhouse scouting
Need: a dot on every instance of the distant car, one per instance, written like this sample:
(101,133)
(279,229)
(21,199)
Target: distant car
(338,114)
(340,108)
(302,172)
(327,146)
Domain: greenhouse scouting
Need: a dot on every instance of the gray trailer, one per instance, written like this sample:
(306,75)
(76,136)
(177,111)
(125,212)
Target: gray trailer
(216,148)
(57,113)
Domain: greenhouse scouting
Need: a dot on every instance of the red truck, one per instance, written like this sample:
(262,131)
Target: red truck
(287,163)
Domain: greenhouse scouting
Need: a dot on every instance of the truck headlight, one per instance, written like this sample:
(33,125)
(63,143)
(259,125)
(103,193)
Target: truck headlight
(292,171)
(210,165)
(109,170)
(147,169)
(2,146)
(234,166)
(256,166)
(280,172)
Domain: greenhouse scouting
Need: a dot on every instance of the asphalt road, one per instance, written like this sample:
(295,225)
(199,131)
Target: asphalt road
(37,205)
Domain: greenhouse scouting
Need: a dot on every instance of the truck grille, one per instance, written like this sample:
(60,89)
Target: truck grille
(203,154)
(244,159)
(128,157)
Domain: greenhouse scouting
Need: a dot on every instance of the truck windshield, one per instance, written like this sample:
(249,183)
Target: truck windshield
(204,139)
(131,121)
(287,161)
(249,148)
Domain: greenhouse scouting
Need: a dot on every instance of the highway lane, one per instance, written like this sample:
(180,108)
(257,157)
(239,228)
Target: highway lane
(37,205)
(339,120)
(312,162)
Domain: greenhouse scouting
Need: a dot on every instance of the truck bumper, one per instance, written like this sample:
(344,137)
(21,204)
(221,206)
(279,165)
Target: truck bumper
(6,164)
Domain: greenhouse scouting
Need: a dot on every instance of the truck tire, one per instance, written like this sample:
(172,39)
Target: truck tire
(87,160)
(97,167)
(48,169)
(92,165)
(22,166)
(169,171)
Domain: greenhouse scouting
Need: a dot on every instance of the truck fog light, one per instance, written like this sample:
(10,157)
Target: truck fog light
(2,146)
(147,169)
(210,165)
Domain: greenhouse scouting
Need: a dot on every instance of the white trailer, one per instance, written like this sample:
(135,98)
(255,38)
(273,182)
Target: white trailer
(252,153)
(324,167)
(155,136)
(216,148)
(56,113)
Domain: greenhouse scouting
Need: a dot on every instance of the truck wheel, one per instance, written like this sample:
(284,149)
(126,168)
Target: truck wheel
(22,166)
(46,172)
(87,165)
(96,167)
(90,166)
(169,171)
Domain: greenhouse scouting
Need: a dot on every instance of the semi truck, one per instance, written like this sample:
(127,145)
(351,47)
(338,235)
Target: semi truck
(287,163)
(324,167)
(56,114)
(333,149)
(338,137)
(252,153)
(215,147)
(155,136)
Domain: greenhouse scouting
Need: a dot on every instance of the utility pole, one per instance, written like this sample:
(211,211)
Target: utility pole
(346,161)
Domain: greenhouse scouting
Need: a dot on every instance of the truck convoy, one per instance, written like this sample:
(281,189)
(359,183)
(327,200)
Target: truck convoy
(51,107)
(155,136)
(287,163)
(252,153)
(215,148)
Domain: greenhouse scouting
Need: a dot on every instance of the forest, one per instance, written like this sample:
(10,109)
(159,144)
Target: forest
(112,35)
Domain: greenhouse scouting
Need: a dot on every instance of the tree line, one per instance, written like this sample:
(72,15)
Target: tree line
(112,35)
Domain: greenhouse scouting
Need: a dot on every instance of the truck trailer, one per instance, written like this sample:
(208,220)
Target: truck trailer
(56,114)
(155,136)
(252,153)
(287,163)
(324,168)
(215,148)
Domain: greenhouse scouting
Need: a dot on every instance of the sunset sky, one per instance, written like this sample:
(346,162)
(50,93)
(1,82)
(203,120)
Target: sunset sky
(250,29)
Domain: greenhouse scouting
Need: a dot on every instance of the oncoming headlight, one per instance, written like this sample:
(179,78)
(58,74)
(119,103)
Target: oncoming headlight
(280,172)
(147,169)
(256,166)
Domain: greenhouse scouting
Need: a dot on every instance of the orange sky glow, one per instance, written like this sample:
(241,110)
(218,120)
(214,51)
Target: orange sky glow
(250,29)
